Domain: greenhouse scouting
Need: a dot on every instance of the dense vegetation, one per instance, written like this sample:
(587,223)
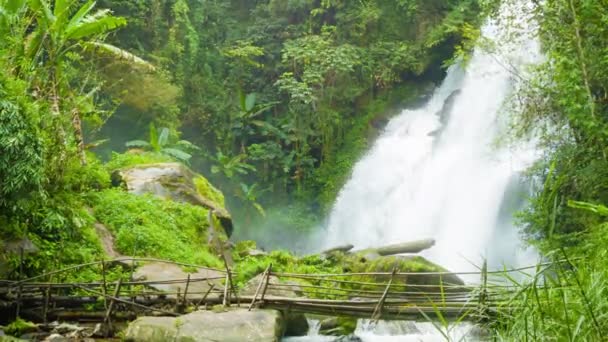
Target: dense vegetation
(280,95)
(566,104)
(275,100)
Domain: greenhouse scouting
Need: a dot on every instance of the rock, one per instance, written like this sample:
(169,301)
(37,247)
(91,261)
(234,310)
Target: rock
(255,253)
(291,292)
(160,271)
(337,326)
(348,338)
(405,264)
(65,328)
(296,324)
(56,338)
(107,240)
(176,182)
(100,330)
(152,329)
(206,326)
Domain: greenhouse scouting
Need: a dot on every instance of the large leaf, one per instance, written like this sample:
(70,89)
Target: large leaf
(177,154)
(92,28)
(80,14)
(154,137)
(45,17)
(163,137)
(62,12)
(119,54)
(11,7)
(249,102)
(137,143)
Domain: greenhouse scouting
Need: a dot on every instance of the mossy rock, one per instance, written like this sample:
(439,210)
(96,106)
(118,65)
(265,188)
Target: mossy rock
(338,326)
(19,327)
(358,263)
(176,182)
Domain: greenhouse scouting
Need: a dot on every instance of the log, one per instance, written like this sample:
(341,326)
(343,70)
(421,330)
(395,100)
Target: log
(342,248)
(400,248)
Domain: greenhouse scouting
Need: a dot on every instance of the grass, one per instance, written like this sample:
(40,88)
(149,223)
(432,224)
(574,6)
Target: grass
(153,227)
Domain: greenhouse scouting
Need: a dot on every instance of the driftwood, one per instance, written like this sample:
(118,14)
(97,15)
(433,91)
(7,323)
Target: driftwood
(341,248)
(410,247)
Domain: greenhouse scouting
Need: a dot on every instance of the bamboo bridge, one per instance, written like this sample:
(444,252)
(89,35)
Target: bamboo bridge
(388,297)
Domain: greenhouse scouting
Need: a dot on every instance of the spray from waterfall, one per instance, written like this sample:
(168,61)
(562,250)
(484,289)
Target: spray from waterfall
(437,172)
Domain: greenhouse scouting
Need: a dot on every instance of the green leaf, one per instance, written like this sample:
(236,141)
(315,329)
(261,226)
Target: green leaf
(47,16)
(163,138)
(137,143)
(177,154)
(154,137)
(119,54)
(95,27)
(82,12)
(250,102)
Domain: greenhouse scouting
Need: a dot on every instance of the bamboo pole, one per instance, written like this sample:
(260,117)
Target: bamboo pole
(20,288)
(205,296)
(107,320)
(259,287)
(225,299)
(378,309)
(267,281)
(124,301)
(47,300)
(104,287)
(185,301)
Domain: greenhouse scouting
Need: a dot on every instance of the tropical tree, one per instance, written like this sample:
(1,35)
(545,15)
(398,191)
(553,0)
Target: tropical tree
(63,35)
(160,143)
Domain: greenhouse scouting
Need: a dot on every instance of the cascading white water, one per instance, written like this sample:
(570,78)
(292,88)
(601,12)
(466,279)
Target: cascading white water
(436,171)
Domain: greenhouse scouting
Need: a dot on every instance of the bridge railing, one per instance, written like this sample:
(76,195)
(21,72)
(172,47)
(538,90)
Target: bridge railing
(378,295)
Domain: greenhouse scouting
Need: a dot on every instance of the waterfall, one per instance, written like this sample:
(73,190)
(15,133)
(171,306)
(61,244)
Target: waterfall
(438,172)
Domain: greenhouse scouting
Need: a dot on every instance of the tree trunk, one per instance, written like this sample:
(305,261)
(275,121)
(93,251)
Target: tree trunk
(399,248)
(79,136)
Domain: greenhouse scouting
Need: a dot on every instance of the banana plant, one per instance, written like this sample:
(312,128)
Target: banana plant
(160,143)
(63,32)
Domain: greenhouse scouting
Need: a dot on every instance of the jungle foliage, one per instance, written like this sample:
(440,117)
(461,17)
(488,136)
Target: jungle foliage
(282,95)
(565,103)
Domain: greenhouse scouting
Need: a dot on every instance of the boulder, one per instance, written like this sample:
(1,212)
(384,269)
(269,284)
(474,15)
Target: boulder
(337,326)
(291,292)
(206,326)
(176,182)
(160,271)
(372,262)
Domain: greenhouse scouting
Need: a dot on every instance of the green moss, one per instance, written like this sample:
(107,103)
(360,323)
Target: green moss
(149,226)
(388,263)
(122,160)
(208,191)
(19,327)
(282,261)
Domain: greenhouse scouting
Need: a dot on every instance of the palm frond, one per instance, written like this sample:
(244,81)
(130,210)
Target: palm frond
(137,143)
(93,28)
(47,18)
(163,137)
(61,11)
(82,12)
(120,54)
(177,154)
